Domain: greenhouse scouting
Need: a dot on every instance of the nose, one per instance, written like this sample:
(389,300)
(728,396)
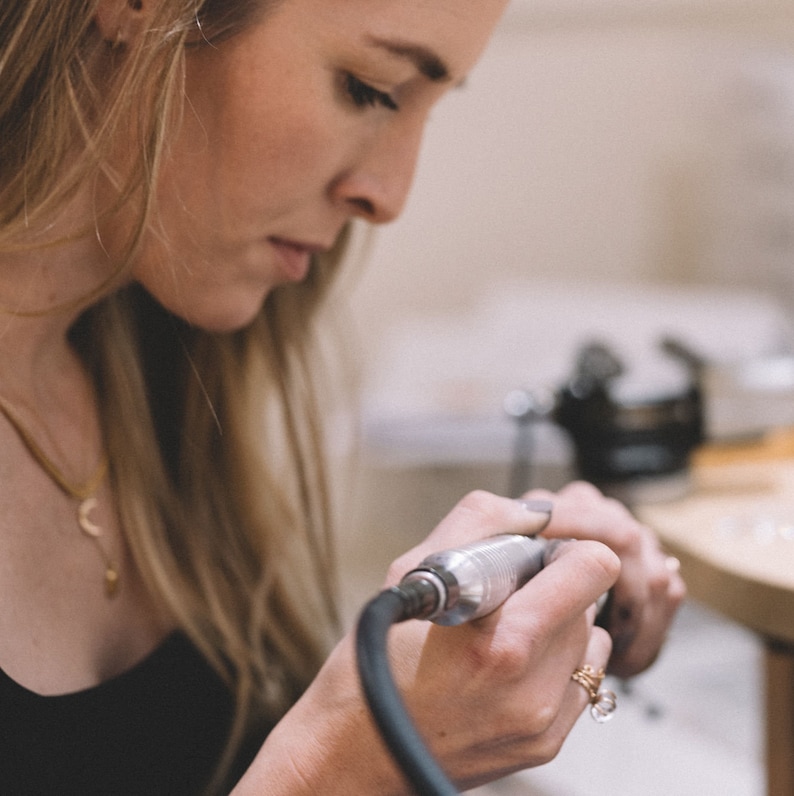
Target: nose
(376,183)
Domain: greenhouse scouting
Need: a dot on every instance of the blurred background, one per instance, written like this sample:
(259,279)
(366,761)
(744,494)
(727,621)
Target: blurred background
(618,171)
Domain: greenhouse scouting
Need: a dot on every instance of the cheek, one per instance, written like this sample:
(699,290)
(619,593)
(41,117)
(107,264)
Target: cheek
(273,142)
(251,124)
(249,163)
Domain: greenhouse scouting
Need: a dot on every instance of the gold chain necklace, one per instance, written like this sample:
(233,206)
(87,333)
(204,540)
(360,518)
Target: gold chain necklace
(82,492)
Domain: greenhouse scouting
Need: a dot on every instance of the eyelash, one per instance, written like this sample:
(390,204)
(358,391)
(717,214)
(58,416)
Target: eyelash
(363,95)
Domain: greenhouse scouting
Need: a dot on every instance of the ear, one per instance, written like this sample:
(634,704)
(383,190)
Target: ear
(121,21)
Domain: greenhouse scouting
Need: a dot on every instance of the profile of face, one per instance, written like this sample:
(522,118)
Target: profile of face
(306,119)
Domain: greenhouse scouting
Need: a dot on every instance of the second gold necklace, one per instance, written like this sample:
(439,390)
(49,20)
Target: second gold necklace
(85,493)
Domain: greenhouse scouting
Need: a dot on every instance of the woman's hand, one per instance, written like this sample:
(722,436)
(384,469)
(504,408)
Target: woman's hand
(650,589)
(490,697)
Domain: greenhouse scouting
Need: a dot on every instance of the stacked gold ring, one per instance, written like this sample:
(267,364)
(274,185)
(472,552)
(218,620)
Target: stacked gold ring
(603,702)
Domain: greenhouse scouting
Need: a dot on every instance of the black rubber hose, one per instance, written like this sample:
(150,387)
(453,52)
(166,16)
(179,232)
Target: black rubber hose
(382,695)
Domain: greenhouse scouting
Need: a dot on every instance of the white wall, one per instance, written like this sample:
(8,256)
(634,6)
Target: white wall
(581,148)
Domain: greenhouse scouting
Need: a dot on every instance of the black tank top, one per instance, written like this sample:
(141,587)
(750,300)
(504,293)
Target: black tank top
(157,729)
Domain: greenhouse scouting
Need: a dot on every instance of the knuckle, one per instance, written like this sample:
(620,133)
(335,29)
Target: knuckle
(511,661)
(478,501)
(507,660)
(543,717)
(659,581)
(582,491)
(625,537)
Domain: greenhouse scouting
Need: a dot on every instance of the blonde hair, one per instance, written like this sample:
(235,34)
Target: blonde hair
(215,441)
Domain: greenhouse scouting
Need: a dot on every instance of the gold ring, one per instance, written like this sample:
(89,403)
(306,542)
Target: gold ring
(603,702)
(590,679)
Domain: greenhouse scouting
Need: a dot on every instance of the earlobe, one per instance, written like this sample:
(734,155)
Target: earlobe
(120,21)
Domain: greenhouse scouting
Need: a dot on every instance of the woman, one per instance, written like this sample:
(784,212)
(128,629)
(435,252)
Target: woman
(176,182)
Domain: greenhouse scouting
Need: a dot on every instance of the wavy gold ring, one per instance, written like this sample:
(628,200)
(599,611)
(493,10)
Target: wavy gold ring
(603,702)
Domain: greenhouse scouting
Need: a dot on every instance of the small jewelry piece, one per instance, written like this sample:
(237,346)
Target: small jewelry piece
(82,492)
(603,702)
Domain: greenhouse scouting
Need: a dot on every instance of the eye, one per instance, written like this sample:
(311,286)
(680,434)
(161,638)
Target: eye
(363,95)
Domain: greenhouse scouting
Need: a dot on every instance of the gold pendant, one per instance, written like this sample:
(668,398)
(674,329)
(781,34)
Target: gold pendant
(89,528)
(94,532)
(111,581)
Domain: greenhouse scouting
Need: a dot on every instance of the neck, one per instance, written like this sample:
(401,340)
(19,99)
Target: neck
(42,292)
(41,375)
(45,384)
(52,276)
(35,354)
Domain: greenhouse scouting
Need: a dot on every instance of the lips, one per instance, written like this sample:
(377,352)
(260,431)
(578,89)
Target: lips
(294,259)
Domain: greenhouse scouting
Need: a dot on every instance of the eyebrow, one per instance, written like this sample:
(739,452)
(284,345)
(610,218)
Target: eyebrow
(425,60)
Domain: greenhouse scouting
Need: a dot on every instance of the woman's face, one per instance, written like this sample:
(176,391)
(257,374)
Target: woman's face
(306,119)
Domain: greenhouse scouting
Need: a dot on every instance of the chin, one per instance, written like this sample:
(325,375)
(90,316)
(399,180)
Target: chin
(221,323)
(221,316)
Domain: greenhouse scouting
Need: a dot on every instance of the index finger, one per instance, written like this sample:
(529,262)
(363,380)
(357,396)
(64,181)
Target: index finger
(576,576)
(477,516)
